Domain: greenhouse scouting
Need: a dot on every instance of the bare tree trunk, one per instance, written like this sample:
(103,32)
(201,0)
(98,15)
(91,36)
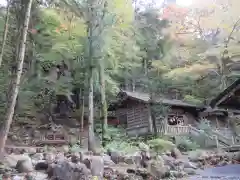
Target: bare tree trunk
(5,32)
(91,140)
(82,117)
(16,86)
(103,102)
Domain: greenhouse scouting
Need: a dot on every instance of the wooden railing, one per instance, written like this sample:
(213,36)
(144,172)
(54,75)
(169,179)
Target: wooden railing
(177,130)
(228,141)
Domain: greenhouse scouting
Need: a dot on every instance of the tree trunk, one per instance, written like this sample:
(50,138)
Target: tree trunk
(5,32)
(91,140)
(103,102)
(82,117)
(152,120)
(16,86)
(154,124)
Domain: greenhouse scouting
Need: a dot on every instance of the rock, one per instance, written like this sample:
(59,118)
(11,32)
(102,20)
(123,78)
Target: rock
(41,166)
(178,174)
(37,157)
(189,171)
(116,157)
(85,170)
(67,170)
(128,160)
(168,160)
(144,158)
(65,149)
(12,159)
(29,177)
(187,164)
(17,177)
(24,166)
(107,160)
(40,176)
(50,158)
(197,155)
(60,157)
(137,159)
(157,169)
(75,158)
(87,163)
(176,153)
(97,166)
(108,173)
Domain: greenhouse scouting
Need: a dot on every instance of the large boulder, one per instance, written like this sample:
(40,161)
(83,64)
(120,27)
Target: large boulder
(116,157)
(12,159)
(41,165)
(169,161)
(176,153)
(24,166)
(157,169)
(107,160)
(97,166)
(68,170)
(197,155)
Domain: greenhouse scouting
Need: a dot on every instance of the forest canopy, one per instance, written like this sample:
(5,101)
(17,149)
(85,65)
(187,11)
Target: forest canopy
(84,52)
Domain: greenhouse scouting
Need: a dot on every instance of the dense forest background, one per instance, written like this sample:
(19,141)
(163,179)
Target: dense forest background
(80,53)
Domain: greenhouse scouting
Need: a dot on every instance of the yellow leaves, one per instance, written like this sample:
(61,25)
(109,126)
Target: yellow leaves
(191,71)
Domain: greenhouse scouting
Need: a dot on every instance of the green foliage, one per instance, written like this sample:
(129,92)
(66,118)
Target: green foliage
(192,100)
(186,144)
(132,45)
(116,140)
(160,145)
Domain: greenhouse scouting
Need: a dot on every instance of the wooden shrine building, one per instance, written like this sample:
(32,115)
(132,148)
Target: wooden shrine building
(133,110)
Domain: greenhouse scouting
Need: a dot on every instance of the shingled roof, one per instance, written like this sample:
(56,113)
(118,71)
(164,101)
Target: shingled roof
(225,93)
(145,97)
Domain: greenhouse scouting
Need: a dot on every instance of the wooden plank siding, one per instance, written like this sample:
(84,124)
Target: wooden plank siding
(137,116)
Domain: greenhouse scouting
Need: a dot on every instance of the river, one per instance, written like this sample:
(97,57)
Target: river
(229,172)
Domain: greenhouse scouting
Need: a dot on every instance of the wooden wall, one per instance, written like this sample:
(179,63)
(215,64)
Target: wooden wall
(137,115)
(221,124)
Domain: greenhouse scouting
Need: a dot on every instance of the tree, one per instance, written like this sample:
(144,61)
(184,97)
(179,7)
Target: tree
(16,86)
(5,32)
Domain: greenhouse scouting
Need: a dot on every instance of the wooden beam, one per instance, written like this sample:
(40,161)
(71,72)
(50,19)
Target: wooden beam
(227,95)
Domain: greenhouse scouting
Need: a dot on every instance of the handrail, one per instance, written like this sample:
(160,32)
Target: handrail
(224,139)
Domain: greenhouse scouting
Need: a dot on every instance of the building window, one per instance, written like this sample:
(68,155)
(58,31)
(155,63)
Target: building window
(175,120)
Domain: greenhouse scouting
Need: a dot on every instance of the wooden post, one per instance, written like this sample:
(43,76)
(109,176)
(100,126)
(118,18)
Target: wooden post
(233,141)
(150,123)
(216,139)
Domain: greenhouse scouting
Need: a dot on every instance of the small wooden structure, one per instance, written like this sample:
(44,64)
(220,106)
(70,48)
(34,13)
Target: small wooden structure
(133,109)
(52,139)
(229,99)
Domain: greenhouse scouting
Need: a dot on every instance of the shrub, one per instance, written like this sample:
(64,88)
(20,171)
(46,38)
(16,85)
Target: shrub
(186,144)
(159,145)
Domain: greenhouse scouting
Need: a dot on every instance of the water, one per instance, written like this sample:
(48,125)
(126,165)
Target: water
(229,172)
